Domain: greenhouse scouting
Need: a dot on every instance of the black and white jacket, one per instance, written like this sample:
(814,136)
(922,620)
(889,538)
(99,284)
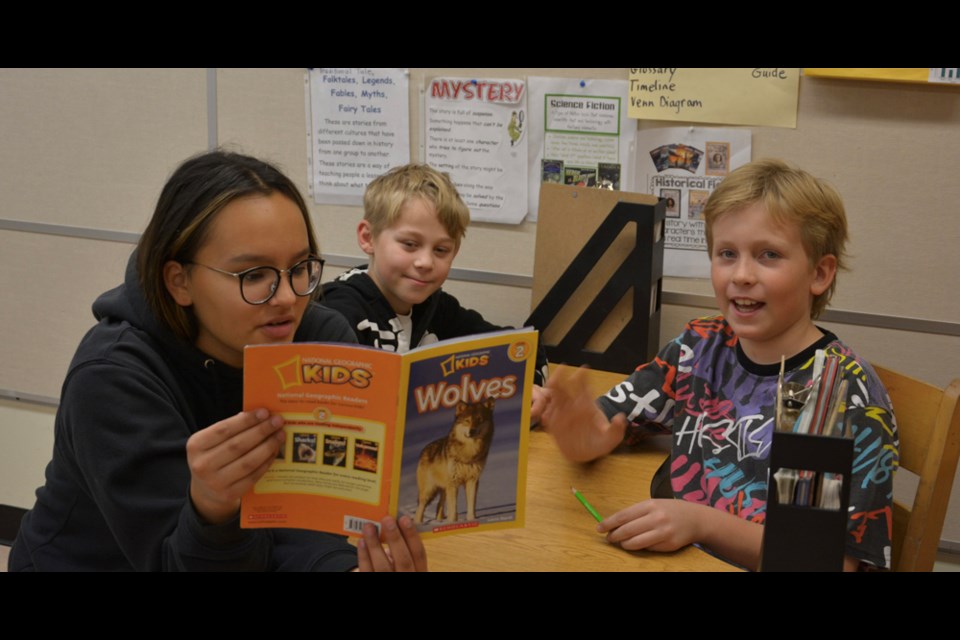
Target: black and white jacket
(439,317)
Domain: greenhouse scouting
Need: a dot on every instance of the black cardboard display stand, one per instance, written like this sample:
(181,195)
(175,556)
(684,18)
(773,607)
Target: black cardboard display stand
(806,538)
(641,269)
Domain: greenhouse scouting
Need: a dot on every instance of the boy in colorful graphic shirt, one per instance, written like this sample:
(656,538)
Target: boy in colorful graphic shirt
(776,239)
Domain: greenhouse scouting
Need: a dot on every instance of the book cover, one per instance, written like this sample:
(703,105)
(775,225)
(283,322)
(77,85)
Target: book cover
(439,433)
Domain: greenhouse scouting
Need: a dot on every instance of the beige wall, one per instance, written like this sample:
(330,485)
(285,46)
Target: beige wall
(92,148)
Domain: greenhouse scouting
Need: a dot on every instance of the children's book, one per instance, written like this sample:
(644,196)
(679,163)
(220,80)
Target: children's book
(438,433)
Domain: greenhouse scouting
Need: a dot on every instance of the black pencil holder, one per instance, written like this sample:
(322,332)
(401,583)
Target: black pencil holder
(806,538)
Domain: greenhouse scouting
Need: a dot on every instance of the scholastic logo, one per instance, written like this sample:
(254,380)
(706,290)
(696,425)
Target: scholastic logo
(455,526)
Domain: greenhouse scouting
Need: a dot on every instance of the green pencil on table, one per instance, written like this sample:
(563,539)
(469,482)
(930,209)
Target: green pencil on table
(587,505)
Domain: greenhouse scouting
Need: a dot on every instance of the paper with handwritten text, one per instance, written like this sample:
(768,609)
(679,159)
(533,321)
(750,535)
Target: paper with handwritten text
(765,96)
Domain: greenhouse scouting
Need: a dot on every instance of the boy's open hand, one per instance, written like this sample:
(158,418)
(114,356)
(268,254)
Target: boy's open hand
(575,421)
(403,551)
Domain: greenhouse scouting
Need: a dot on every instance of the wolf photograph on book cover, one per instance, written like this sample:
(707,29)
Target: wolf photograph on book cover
(462,445)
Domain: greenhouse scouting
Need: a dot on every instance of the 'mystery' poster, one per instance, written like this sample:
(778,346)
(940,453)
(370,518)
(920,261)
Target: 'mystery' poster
(683,165)
(476,130)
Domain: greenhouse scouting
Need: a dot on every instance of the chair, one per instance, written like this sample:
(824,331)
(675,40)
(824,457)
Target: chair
(928,420)
(9,523)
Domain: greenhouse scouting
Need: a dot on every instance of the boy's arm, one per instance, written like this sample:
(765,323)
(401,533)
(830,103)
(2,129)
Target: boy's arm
(583,433)
(670,524)
(871,488)
(344,301)
(322,323)
(367,318)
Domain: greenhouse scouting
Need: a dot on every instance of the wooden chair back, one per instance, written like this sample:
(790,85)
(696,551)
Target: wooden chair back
(928,421)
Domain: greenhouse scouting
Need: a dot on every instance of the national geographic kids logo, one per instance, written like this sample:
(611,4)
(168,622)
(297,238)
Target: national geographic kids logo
(457,362)
(295,372)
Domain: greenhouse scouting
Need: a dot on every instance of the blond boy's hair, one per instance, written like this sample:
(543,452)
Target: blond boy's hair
(386,195)
(789,195)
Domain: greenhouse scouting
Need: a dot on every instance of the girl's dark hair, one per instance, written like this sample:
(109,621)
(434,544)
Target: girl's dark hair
(190,200)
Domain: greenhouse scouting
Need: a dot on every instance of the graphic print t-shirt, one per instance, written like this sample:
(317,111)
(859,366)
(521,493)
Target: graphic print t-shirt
(719,407)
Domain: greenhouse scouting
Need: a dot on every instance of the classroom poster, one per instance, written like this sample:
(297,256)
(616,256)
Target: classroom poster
(359,128)
(683,165)
(765,96)
(579,134)
(476,130)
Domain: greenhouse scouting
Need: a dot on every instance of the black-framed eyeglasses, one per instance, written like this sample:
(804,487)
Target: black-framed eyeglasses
(259,284)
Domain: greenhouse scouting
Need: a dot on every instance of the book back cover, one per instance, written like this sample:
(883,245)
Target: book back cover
(340,406)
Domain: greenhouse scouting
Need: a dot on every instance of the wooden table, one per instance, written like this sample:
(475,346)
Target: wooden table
(559,534)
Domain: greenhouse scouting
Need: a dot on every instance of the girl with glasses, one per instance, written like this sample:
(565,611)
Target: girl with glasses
(152,451)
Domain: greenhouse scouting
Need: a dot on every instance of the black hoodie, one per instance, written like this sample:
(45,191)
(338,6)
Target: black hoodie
(116,492)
